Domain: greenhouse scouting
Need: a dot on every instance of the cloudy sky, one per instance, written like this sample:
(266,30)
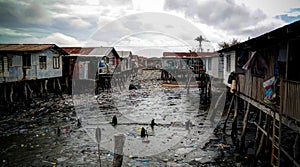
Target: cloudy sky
(142,26)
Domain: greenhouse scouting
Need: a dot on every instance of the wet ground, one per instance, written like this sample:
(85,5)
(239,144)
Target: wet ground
(30,137)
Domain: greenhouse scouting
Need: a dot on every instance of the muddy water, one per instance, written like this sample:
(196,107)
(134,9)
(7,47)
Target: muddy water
(29,136)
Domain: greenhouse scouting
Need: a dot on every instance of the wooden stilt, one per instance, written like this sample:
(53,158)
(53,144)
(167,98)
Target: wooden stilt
(25,90)
(261,135)
(260,145)
(296,148)
(245,123)
(259,123)
(30,90)
(54,86)
(188,84)
(41,89)
(67,82)
(228,113)
(59,85)
(45,87)
(11,92)
(4,93)
(234,122)
(268,134)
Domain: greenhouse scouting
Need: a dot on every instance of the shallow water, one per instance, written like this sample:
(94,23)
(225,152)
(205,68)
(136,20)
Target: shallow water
(32,140)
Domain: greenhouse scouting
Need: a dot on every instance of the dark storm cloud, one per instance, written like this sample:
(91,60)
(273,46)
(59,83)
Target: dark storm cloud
(226,15)
(22,14)
(41,18)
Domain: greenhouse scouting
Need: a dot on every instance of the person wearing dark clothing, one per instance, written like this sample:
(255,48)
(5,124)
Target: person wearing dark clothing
(114,120)
(143,133)
(146,133)
(58,131)
(78,123)
(152,124)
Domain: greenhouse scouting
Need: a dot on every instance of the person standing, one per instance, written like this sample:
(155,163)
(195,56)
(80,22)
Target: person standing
(153,124)
(143,133)
(114,120)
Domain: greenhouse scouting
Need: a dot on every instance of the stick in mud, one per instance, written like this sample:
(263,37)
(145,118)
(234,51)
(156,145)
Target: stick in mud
(98,139)
(118,150)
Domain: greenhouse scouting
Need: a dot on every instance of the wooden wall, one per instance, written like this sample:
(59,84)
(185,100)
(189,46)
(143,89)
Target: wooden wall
(291,102)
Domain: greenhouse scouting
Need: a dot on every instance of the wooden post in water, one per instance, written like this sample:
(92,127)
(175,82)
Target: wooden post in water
(11,92)
(243,135)
(228,113)
(4,93)
(41,89)
(25,91)
(98,139)
(118,150)
(30,90)
(59,87)
(296,148)
(46,89)
(234,129)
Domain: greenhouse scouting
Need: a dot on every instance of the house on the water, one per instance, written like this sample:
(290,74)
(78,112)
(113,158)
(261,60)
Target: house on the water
(154,63)
(178,65)
(126,58)
(266,81)
(89,66)
(29,68)
(214,64)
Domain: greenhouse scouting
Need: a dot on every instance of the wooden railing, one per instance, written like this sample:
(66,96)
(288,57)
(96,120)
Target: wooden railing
(289,94)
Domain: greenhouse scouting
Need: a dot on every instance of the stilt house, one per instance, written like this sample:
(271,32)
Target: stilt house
(265,71)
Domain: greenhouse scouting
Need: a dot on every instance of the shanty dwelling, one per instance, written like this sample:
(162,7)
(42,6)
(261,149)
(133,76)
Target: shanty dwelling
(178,65)
(267,93)
(75,69)
(126,64)
(126,69)
(214,64)
(29,69)
(154,63)
(186,69)
(228,60)
(90,68)
(142,62)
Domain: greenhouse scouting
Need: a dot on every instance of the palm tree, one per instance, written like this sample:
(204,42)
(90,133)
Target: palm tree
(200,39)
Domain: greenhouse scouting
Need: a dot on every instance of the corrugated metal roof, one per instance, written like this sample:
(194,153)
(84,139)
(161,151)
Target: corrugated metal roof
(283,33)
(124,53)
(180,54)
(77,50)
(101,51)
(30,48)
(88,50)
(25,47)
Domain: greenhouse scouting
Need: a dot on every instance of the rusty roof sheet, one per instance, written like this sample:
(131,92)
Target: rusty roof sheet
(78,50)
(207,54)
(180,54)
(103,51)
